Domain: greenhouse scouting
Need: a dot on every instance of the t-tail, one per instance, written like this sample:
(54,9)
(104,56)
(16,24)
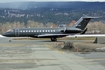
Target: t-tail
(82,22)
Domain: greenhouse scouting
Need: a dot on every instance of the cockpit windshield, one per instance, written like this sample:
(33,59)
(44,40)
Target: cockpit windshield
(10,30)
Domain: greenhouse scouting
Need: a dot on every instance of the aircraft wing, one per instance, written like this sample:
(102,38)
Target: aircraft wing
(53,35)
(87,35)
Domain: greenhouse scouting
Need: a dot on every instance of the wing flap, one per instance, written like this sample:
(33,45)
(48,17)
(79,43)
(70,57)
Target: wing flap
(53,35)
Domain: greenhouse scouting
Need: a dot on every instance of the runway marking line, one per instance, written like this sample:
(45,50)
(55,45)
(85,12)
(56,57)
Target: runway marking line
(88,59)
(12,45)
(97,59)
(17,60)
(54,48)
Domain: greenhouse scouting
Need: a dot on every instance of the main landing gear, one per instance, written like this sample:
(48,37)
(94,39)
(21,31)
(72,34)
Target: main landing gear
(53,39)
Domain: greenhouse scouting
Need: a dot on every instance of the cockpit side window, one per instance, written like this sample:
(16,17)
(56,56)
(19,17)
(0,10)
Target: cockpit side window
(10,30)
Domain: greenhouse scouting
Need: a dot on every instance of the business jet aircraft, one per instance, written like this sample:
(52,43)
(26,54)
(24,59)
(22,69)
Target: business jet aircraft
(52,33)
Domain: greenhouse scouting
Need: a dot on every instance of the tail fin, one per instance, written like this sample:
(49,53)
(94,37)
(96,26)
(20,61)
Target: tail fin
(84,31)
(82,22)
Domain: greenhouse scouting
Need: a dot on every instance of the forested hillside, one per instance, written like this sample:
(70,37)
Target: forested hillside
(46,14)
(55,12)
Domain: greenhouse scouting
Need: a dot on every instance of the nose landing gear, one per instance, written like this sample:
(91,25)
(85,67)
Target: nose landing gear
(10,40)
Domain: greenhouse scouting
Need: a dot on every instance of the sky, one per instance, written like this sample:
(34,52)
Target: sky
(3,1)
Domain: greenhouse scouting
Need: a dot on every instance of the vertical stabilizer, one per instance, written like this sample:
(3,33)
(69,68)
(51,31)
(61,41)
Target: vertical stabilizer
(82,22)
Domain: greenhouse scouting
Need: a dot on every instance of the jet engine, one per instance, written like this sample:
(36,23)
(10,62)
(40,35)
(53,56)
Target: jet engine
(71,30)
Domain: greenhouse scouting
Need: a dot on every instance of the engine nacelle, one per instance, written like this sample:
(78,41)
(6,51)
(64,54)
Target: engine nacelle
(71,30)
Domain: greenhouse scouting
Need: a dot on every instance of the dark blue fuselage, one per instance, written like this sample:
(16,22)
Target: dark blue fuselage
(34,32)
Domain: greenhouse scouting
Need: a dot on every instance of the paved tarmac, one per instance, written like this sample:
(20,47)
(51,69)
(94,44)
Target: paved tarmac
(40,55)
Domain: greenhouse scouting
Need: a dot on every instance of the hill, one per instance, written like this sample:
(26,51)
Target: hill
(55,12)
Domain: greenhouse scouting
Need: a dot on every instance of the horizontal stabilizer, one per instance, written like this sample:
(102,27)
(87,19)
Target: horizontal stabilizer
(89,17)
(87,35)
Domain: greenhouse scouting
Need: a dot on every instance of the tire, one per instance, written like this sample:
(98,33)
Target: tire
(53,39)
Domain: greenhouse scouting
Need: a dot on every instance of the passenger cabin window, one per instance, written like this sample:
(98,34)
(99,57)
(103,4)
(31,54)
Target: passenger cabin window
(34,30)
(26,31)
(23,30)
(31,30)
(40,30)
(20,30)
(43,30)
(48,30)
(51,30)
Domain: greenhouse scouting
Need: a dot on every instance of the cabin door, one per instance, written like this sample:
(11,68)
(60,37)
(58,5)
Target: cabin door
(17,32)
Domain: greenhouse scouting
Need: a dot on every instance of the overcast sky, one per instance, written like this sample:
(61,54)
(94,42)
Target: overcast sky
(3,1)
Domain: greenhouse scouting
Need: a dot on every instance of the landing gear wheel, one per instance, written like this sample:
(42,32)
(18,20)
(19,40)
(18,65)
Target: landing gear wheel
(10,40)
(53,39)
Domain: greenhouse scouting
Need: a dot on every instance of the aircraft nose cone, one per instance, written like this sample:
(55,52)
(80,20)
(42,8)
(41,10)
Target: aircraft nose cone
(8,34)
(4,34)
